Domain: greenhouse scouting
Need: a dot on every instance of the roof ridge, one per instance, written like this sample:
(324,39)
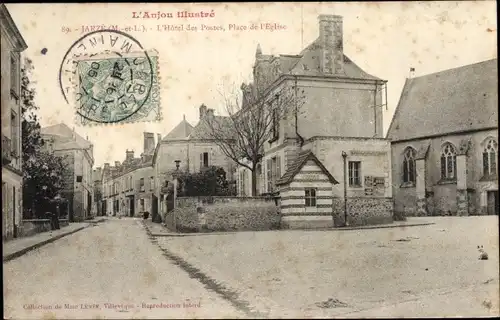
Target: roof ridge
(454,68)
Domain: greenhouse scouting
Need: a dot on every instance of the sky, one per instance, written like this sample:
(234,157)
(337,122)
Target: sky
(385,39)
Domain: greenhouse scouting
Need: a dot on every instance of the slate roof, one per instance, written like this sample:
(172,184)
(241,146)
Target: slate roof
(299,163)
(62,131)
(181,131)
(308,63)
(464,98)
(202,130)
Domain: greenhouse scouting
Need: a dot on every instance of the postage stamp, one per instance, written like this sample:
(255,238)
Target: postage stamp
(108,77)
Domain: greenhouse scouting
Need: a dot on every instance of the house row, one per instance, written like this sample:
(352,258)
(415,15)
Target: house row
(13,44)
(128,187)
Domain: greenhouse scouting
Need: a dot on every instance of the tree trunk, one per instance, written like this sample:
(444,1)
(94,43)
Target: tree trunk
(254,182)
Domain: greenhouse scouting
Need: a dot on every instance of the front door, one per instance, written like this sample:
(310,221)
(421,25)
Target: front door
(132,205)
(493,202)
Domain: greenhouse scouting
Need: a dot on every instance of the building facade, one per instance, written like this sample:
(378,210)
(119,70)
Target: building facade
(128,187)
(192,149)
(12,44)
(341,112)
(445,143)
(78,155)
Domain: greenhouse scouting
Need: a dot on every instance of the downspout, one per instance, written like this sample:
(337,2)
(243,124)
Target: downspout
(301,139)
(344,155)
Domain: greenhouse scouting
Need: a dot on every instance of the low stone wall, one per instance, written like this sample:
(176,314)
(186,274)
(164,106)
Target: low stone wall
(206,214)
(34,226)
(363,211)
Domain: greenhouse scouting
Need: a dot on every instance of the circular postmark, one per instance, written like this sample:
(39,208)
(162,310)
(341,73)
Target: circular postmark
(108,75)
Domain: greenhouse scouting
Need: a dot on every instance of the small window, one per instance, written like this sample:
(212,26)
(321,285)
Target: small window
(79,178)
(142,184)
(310,195)
(354,173)
(152,183)
(205,159)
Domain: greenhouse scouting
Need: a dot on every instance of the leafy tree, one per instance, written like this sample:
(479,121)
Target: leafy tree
(209,182)
(43,171)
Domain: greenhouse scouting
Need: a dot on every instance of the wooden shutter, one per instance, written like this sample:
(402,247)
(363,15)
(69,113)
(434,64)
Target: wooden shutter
(278,168)
(269,174)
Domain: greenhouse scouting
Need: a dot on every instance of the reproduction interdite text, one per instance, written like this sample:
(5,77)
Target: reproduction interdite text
(113,306)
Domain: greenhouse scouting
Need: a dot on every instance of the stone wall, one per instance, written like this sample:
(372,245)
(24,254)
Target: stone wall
(199,214)
(363,211)
(34,226)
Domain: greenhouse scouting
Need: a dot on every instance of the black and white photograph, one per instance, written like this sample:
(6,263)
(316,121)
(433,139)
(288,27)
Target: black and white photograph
(250,160)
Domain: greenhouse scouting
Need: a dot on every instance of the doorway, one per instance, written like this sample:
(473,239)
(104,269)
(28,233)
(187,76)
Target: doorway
(131,203)
(492,204)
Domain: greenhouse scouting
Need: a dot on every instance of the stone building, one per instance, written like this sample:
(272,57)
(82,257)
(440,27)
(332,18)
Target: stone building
(12,178)
(445,143)
(78,154)
(128,187)
(98,203)
(190,146)
(341,112)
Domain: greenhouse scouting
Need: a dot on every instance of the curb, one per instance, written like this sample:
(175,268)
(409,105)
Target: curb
(384,227)
(38,245)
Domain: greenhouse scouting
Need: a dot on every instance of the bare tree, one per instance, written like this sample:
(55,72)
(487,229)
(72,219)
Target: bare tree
(254,116)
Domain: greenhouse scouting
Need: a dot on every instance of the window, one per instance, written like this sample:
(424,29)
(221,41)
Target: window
(275,129)
(142,204)
(141,184)
(354,174)
(14,74)
(409,170)
(204,160)
(14,134)
(152,183)
(490,158)
(310,194)
(79,178)
(130,183)
(448,162)
(273,172)
(243,183)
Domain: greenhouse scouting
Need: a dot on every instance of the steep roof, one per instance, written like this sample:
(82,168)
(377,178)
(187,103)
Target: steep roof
(12,30)
(464,98)
(74,140)
(202,129)
(299,163)
(181,131)
(308,63)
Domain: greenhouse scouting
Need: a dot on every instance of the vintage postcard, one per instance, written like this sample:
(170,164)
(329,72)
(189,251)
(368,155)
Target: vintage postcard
(250,160)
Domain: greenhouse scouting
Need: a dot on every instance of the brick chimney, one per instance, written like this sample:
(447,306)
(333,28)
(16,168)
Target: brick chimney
(106,166)
(210,113)
(332,44)
(158,135)
(149,142)
(129,155)
(203,111)
(117,164)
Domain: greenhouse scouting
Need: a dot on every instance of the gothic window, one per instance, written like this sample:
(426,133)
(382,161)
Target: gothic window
(409,170)
(448,162)
(490,158)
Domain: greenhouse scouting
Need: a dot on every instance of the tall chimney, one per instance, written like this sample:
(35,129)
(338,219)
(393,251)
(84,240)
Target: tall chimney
(106,166)
(117,164)
(149,142)
(210,113)
(203,111)
(129,155)
(158,135)
(332,44)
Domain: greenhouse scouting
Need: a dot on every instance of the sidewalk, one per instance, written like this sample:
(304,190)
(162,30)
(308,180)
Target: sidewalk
(158,230)
(17,247)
